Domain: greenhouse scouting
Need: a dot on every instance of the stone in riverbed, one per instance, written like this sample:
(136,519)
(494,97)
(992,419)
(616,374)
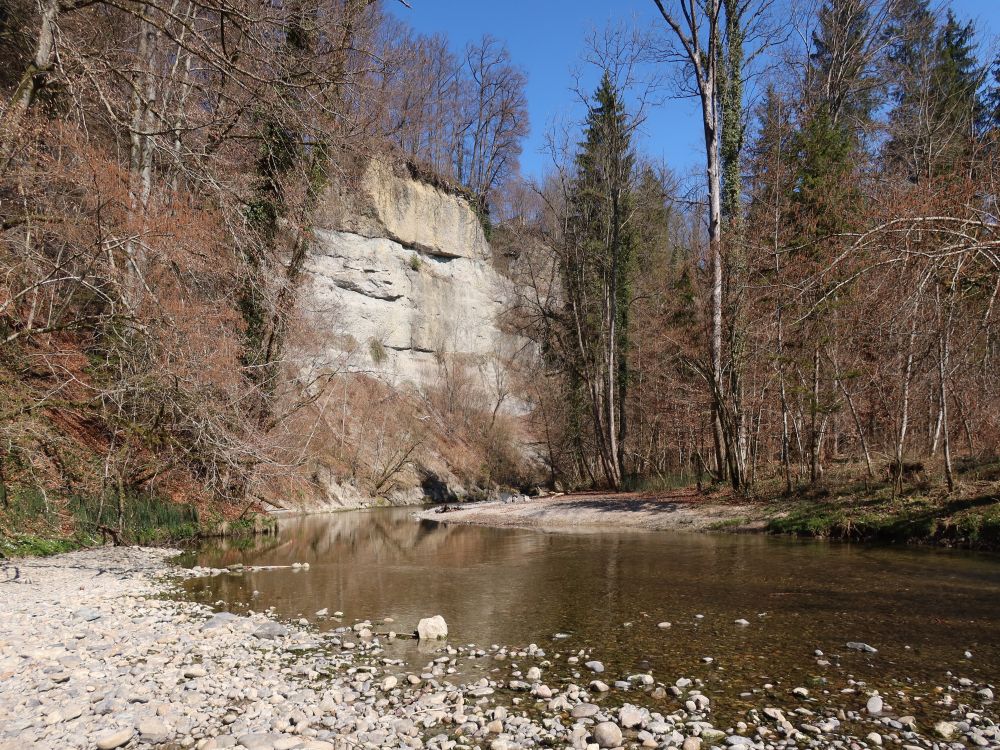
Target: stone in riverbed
(87,614)
(534,674)
(874,705)
(543,691)
(630,717)
(220,619)
(691,743)
(599,686)
(432,628)
(800,692)
(607,734)
(153,730)
(712,736)
(663,625)
(115,739)
(584,710)
(986,694)
(389,683)
(270,631)
(945,730)
(259,741)
(594,666)
(875,738)
(858,646)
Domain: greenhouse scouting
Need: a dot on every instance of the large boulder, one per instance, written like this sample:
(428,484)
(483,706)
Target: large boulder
(432,628)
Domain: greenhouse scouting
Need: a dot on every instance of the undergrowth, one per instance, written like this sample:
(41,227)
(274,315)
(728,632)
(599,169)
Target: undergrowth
(36,523)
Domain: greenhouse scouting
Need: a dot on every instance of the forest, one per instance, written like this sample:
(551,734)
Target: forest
(814,312)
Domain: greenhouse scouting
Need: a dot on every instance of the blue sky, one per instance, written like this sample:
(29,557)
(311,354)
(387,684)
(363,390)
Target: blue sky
(546,38)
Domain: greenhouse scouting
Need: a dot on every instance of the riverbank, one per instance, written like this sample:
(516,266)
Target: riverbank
(95,653)
(33,523)
(682,510)
(969,519)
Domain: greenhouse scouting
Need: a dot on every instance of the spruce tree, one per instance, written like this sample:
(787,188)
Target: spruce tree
(598,270)
(936,108)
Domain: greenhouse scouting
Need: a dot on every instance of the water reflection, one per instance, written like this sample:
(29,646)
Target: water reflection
(922,609)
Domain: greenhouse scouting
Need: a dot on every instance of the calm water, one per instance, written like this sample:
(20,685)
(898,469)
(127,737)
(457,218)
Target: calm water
(921,608)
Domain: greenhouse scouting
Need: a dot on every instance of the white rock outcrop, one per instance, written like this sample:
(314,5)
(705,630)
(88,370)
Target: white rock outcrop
(400,273)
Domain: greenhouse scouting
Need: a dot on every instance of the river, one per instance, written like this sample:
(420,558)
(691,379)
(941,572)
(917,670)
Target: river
(923,610)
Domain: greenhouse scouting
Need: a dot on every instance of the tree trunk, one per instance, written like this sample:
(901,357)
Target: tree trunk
(815,438)
(33,80)
(904,418)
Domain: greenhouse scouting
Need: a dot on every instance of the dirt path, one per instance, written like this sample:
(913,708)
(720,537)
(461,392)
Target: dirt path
(680,510)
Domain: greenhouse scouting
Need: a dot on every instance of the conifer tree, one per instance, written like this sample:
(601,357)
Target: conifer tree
(598,270)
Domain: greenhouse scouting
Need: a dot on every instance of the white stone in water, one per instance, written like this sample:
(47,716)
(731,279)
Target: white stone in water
(534,674)
(874,705)
(875,738)
(663,625)
(741,622)
(584,710)
(322,612)
(389,683)
(432,628)
(858,646)
(594,666)
(543,691)
(800,692)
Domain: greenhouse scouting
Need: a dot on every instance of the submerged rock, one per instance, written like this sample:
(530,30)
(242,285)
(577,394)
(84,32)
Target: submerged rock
(858,646)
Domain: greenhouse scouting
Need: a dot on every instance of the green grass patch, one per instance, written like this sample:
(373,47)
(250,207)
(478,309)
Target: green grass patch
(36,523)
(728,524)
(29,545)
(969,521)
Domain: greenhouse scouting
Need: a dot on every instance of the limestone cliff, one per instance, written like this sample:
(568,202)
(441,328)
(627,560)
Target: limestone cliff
(404,271)
(401,293)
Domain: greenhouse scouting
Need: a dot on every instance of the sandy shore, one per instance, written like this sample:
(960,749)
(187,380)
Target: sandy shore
(600,512)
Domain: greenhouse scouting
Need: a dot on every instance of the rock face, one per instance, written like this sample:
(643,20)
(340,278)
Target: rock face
(400,274)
